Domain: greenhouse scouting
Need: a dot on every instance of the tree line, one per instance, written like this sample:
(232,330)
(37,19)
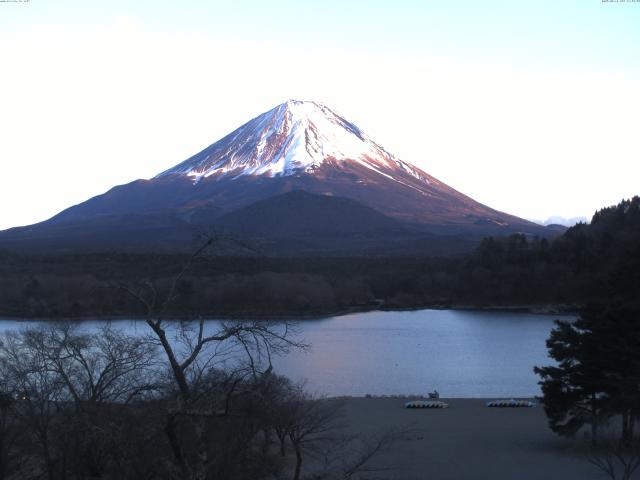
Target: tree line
(595,382)
(596,261)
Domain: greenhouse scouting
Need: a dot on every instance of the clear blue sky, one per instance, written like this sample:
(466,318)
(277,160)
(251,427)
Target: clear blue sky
(528,106)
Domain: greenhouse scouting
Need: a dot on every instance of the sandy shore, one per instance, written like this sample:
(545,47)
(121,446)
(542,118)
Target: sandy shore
(468,441)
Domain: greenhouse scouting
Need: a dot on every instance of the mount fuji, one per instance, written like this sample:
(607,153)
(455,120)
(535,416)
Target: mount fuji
(299,178)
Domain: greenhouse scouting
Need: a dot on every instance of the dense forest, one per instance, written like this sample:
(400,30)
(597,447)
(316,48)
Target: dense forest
(589,262)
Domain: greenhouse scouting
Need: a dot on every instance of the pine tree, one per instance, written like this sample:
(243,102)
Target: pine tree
(572,391)
(597,375)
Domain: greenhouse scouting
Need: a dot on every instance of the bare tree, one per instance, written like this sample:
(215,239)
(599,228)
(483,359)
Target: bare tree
(71,389)
(38,393)
(618,458)
(102,367)
(10,459)
(191,351)
(314,428)
(314,421)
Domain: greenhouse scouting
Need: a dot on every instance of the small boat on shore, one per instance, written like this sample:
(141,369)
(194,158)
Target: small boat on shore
(425,404)
(510,403)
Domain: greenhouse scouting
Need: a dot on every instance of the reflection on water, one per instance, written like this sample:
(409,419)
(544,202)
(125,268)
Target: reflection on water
(459,353)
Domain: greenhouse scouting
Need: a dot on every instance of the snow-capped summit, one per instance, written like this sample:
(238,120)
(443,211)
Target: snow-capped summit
(296,136)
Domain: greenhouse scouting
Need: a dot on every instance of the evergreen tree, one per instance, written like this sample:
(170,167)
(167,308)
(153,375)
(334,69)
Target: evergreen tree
(572,391)
(618,330)
(597,375)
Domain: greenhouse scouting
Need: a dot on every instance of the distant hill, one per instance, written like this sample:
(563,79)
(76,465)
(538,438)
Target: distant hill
(558,220)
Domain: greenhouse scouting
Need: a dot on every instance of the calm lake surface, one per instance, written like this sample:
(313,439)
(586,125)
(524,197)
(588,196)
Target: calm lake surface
(459,353)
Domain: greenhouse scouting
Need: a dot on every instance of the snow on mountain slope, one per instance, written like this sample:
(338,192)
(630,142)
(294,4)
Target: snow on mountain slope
(296,136)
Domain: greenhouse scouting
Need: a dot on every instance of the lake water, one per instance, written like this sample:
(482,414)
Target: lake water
(459,353)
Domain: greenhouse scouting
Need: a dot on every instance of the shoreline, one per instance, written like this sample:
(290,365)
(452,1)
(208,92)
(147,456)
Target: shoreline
(401,396)
(467,440)
(543,309)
